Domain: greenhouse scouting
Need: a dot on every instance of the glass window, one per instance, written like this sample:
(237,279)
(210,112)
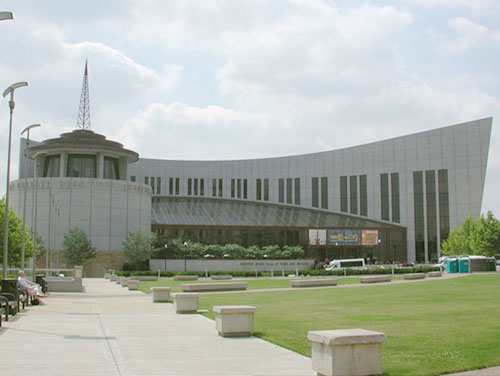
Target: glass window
(444,205)
(430,193)
(189,187)
(158,185)
(195,190)
(297,191)
(202,187)
(281,190)
(315,193)
(257,237)
(51,167)
(220,187)
(363,196)
(111,170)
(153,184)
(276,237)
(418,205)
(324,192)
(177,186)
(245,189)
(240,237)
(170,186)
(292,237)
(353,193)
(146,180)
(384,196)
(132,178)
(289,188)
(395,197)
(220,236)
(201,236)
(239,188)
(232,188)
(214,187)
(258,189)
(343,194)
(266,189)
(81,166)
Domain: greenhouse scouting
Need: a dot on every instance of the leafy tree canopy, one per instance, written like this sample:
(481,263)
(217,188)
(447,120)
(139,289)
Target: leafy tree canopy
(77,246)
(138,246)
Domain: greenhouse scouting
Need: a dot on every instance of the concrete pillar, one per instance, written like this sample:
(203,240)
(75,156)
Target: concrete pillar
(63,164)
(100,165)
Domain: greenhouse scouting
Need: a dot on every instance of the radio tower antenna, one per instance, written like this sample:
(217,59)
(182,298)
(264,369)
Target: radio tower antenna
(83,121)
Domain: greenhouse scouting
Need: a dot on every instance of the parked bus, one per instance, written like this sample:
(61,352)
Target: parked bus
(358,264)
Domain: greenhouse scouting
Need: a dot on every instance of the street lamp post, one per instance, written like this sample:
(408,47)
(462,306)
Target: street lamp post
(10,90)
(27,129)
(185,254)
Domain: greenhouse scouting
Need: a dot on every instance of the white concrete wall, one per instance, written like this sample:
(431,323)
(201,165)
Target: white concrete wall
(201,265)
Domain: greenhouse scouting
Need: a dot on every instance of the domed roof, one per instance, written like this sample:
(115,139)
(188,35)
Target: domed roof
(83,141)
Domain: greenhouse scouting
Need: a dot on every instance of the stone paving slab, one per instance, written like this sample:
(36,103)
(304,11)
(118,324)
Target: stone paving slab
(109,330)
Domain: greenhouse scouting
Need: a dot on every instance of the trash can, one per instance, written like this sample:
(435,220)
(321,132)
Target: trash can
(452,265)
(463,265)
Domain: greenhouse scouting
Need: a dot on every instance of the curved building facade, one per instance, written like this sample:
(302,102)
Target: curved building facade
(409,191)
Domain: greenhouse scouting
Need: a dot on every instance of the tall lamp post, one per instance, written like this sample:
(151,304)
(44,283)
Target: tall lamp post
(185,254)
(10,90)
(27,129)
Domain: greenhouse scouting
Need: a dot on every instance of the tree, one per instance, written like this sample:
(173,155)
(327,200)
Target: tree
(138,246)
(459,239)
(15,237)
(77,246)
(486,238)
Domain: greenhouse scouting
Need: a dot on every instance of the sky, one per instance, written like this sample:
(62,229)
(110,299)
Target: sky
(238,79)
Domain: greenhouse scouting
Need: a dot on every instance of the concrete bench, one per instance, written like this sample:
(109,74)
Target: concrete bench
(124,281)
(160,294)
(118,280)
(221,277)
(185,277)
(112,277)
(106,275)
(133,284)
(234,321)
(186,302)
(434,274)
(411,276)
(376,278)
(347,352)
(145,278)
(313,282)
(64,284)
(201,287)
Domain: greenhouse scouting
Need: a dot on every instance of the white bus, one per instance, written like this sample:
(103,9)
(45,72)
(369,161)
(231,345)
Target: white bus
(358,264)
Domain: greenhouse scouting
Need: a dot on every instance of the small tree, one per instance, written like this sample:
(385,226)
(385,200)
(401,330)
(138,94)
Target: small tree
(77,246)
(138,246)
(486,238)
(459,239)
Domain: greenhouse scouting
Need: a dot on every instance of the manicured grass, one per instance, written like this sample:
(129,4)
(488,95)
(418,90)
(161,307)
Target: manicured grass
(253,284)
(433,327)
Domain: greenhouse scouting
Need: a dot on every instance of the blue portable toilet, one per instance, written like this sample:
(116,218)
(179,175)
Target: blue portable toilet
(452,265)
(463,265)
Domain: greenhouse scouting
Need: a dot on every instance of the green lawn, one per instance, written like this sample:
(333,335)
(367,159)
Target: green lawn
(432,327)
(253,284)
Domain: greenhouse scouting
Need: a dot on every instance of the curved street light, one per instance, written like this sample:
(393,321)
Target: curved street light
(10,90)
(27,129)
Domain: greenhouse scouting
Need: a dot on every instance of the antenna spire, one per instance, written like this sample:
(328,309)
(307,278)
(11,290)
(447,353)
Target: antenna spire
(83,120)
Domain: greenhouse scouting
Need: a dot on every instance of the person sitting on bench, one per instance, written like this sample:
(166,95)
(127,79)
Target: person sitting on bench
(34,289)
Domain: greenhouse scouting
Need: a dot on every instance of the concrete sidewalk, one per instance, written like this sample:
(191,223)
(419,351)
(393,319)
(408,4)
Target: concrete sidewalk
(109,330)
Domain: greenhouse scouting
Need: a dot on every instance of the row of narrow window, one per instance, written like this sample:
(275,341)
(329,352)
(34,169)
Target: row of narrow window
(354,195)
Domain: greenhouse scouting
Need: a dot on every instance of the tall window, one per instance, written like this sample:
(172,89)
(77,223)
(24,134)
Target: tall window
(384,196)
(189,187)
(158,185)
(153,184)
(266,189)
(258,189)
(170,186)
(418,206)
(353,192)
(297,191)
(289,195)
(232,188)
(363,196)
(315,193)
(239,188)
(51,167)
(202,187)
(395,197)
(324,192)
(195,187)
(177,186)
(111,170)
(81,166)
(214,187)
(444,205)
(245,189)
(220,187)
(430,195)
(343,194)
(281,190)
(132,178)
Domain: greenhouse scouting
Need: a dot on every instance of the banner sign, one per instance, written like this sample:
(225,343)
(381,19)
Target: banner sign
(344,237)
(317,237)
(369,237)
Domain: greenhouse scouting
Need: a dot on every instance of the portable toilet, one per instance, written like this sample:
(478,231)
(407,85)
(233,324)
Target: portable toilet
(463,265)
(491,264)
(452,265)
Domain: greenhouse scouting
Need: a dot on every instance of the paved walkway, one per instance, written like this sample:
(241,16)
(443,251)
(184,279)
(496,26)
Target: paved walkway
(111,331)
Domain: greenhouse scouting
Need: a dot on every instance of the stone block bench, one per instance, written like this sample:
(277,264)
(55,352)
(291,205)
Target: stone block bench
(376,278)
(112,277)
(145,278)
(64,284)
(347,352)
(411,276)
(221,277)
(234,321)
(160,294)
(185,277)
(118,280)
(313,282)
(434,274)
(202,287)
(186,302)
(106,275)
(133,284)
(124,281)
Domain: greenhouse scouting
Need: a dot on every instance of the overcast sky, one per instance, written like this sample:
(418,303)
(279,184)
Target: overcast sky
(234,79)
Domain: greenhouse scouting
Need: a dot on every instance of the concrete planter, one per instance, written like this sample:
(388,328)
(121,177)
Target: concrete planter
(234,321)
(186,302)
(376,278)
(354,352)
(434,274)
(160,294)
(313,282)
(411,276)
(124,281)
(185,277)
(133,284)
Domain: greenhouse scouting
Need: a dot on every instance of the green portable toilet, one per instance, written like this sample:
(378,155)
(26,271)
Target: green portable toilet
(492,264)
(452,265)
(463,265)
